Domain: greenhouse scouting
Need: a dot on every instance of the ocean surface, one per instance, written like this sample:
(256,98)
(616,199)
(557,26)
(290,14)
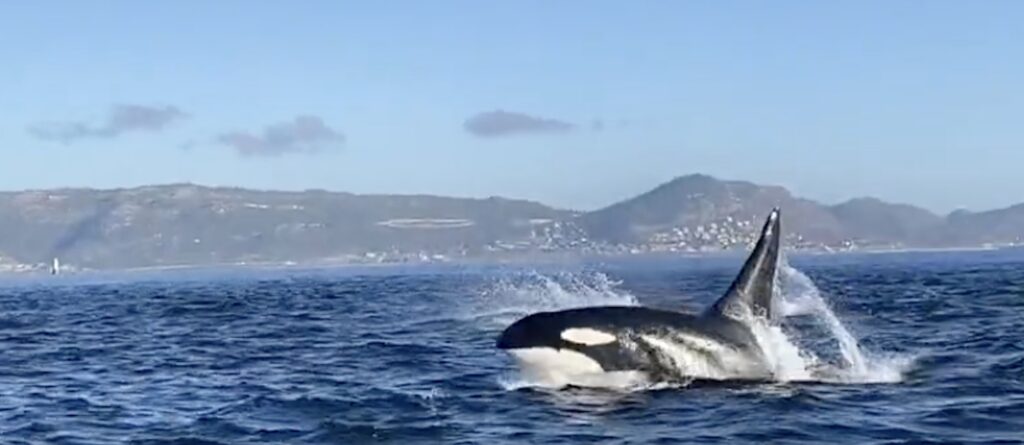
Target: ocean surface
(883,348)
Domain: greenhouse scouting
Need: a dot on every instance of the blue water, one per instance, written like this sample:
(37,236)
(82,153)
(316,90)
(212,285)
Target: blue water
(405,355)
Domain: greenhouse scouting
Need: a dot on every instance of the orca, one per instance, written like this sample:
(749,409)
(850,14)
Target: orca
(573,346)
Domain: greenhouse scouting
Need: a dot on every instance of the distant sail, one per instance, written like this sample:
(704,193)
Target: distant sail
(55,269)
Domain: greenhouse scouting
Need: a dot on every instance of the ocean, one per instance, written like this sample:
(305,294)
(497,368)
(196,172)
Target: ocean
(876,348)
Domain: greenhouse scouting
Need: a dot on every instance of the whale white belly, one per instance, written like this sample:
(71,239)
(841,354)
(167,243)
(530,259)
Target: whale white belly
(557,368)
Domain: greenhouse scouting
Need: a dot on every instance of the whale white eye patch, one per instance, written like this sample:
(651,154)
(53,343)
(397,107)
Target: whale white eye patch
(587,336)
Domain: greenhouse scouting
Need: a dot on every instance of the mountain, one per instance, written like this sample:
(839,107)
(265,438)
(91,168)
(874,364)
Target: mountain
(700,212)
(698,201)
(994,226)
(191,224)
(188,224)
(879,221)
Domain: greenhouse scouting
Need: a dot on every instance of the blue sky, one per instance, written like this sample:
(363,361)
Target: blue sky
(575,103)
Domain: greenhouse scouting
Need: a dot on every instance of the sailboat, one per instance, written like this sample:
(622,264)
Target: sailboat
(55,268)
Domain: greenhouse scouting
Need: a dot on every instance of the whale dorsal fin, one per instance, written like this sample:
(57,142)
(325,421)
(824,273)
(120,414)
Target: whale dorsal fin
(754,286)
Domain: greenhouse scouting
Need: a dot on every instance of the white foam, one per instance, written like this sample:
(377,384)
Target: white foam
(787,362)
(799,296)
(508,299)
(700,358)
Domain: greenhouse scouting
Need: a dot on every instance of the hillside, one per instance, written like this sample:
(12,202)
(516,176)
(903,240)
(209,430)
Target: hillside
(190,224)
(700,212)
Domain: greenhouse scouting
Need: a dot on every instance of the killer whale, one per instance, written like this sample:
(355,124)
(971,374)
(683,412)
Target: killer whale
(568,347)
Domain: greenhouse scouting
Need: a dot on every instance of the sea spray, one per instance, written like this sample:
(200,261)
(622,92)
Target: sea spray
(799,296)
(511,297)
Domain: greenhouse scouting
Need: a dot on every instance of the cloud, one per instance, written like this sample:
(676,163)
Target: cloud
(121,119)
(502,123)
(304,134)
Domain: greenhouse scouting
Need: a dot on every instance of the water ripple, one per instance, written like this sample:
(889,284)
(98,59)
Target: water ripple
(407,356)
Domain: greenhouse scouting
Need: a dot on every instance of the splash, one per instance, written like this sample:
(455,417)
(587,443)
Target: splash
(799,296)
(783,344)
(511,297)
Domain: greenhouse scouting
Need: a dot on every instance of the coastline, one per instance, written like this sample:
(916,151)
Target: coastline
(24,270)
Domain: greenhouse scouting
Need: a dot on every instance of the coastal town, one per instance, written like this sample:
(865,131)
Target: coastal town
(547,238)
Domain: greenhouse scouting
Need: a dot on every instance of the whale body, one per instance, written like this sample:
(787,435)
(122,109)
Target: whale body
(577,346)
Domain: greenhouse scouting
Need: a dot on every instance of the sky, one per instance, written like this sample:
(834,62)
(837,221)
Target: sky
(575,104)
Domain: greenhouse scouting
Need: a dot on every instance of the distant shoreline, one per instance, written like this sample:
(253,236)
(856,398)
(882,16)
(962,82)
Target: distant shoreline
(187,226)
(491,260)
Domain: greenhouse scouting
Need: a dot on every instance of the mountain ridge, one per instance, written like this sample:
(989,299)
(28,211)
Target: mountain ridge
(186,223)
